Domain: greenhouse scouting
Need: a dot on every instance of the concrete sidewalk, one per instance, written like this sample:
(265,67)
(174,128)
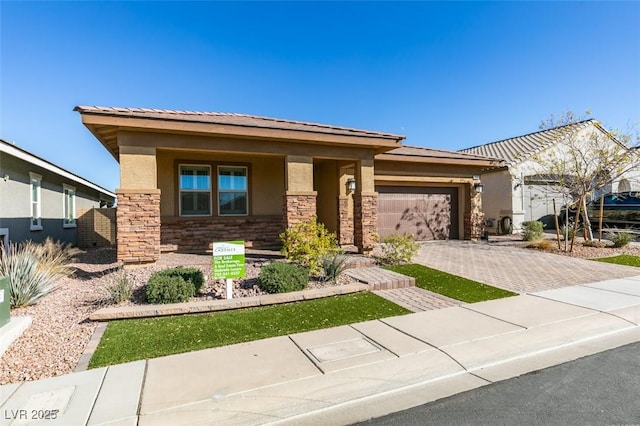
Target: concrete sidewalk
(344,374)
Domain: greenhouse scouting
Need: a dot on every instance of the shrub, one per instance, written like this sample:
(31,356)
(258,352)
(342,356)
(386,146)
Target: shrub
(193,275)
(164,288)
(281,277)
(398,249)
(306,242)
(33,269)
(619,239)
(532,230)
(545,245)
(594,243)
(332,265)
(119,289)
(569,231)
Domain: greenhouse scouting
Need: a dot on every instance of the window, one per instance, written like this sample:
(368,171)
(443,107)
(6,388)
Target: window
(195,190)
(36,184)
(232,191)
(69,206)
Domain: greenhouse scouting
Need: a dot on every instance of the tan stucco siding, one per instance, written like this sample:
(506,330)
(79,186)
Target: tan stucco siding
(266,179)
(422,169)
(326,185)
(498,197)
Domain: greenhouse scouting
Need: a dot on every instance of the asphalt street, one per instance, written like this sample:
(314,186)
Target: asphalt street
(601,389)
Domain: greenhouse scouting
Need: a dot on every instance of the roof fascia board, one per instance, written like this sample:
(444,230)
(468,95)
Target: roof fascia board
(39,162)
(148,124)
(438,160)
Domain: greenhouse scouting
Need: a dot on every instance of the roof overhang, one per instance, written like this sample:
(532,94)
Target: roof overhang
(105,123)
(438,159)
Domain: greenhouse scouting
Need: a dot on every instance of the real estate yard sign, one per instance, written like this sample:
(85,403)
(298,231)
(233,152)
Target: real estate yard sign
(228,262)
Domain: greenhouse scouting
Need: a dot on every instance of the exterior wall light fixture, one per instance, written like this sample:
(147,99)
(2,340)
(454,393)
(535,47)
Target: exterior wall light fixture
(478,187)
(351,184)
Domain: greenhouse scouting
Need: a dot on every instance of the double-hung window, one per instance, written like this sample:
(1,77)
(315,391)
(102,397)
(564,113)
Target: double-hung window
(232,191)
(69,206)
(36,201)
(195,190)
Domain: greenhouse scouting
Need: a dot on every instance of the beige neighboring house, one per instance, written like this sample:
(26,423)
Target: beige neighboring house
(190,178)
(518,191)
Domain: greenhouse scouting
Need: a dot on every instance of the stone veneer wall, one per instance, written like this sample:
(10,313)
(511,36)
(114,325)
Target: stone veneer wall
(365,219)
(345,223)
(298,207)
(197,234)
(138,224)
(474,219)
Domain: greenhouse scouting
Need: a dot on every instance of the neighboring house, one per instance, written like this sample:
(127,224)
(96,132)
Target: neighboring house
(39,199)
(518,191)
(190,178)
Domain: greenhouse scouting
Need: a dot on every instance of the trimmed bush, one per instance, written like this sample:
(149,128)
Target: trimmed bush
(281,277)
(332,265)
(193,275)
(532,230)
(619,239)
(398,249)
(33,269)
(306,242)
(163,288)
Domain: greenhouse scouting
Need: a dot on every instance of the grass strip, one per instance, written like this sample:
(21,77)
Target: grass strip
(131,340)
(621,259)
(450,285)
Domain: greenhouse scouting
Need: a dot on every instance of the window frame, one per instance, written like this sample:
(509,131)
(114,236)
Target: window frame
(180,191)
(66,190)
(218,190)
(38,203)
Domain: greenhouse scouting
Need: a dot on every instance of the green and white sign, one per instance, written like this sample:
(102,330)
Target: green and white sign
(228,260)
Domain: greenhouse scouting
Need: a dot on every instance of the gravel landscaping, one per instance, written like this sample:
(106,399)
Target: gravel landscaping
(56,339)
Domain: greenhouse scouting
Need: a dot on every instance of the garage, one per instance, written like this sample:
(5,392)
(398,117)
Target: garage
(429,213)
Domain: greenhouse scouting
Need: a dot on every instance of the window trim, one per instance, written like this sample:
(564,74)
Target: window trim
(66,188)
(218,190)
(210,190)
(38,225)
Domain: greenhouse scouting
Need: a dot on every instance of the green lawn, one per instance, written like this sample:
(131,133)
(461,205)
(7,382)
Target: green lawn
(621,259)
(449,285)
(130,340)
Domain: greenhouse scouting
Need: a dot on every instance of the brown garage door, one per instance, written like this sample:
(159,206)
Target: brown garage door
(429,213)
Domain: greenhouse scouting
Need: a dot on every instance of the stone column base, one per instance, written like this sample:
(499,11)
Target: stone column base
(365,221)
(345,223)
(138,225)
(298,207)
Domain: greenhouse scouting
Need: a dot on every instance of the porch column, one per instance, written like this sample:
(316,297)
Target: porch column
(473,217)
(365,207)
(138,210)
(299,198)
(345,207)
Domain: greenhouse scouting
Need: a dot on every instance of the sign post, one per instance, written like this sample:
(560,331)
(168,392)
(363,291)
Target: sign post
(228,262)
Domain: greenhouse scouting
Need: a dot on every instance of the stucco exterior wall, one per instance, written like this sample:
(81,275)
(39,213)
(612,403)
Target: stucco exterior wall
(497,197)
(266,179)
(15,201)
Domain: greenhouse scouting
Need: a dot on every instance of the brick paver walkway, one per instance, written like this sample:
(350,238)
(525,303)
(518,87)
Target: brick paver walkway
(416,299)
(381,279)
(516,269)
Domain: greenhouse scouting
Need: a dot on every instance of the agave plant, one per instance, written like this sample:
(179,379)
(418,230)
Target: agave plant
(33,269)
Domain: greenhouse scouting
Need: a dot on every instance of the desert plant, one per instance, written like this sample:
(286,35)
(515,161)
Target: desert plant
(163,288)
(33,269)
(545,245)
(619,239)
(281,277)
(118,289)
(594,243)
(332,265)
(306,242)
(532,230)
(398,249)
(192,275)
(568,231)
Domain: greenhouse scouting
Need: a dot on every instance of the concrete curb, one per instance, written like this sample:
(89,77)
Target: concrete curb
(145,311)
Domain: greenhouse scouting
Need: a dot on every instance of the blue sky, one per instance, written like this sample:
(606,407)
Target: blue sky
(447,75)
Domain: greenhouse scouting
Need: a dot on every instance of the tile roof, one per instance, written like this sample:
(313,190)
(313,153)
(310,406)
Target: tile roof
(519,148)
(242,120)
(418,151)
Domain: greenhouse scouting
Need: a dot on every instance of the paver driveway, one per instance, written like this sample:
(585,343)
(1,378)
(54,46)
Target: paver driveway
(516,269)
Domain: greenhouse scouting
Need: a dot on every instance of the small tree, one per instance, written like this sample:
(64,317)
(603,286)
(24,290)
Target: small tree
(583,158)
